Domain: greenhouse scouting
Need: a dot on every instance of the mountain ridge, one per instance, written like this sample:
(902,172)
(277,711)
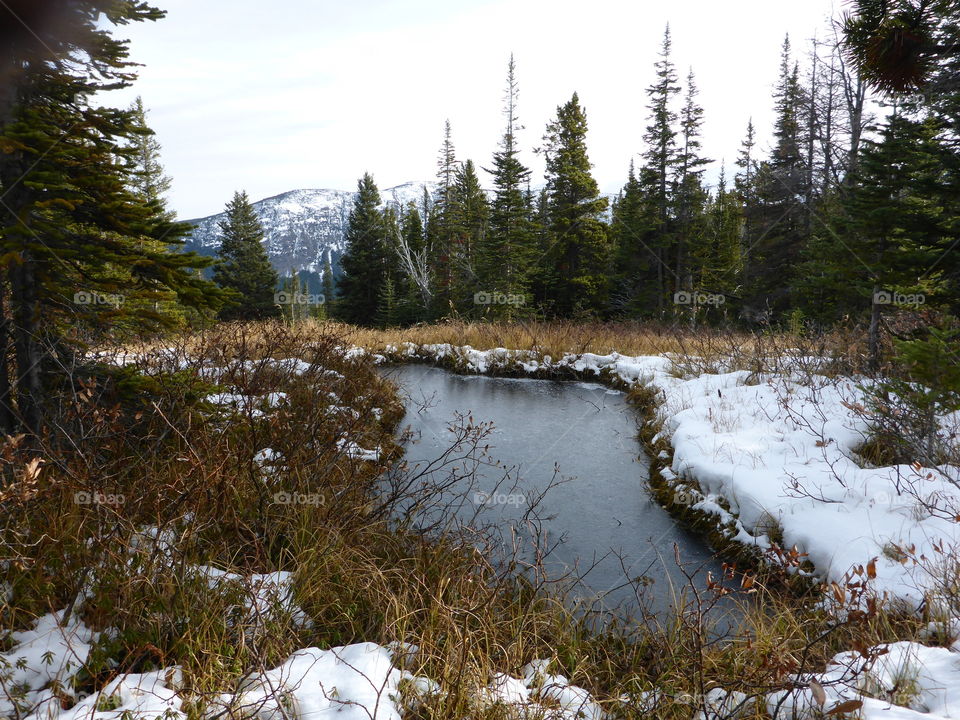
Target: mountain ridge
(303,228)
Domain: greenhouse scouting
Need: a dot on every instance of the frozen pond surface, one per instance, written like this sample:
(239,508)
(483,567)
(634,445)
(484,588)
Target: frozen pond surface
(600,516)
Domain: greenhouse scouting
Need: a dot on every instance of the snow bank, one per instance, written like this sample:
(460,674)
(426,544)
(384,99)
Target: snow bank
(50,653)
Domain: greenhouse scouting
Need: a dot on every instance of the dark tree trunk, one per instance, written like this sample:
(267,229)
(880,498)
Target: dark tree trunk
(8,424)
(873,337)
(25,334)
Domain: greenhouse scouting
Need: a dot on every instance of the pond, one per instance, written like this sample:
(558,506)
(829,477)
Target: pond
(599,519)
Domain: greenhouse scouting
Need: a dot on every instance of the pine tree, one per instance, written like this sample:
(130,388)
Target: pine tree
(244,267)
(504,257)
(689,194)
(577,259)
(68,220)
(781,203)
(469,220)
(149,182)
(888,235)
(633,291)
(660,162)
(366,261)
(441,231)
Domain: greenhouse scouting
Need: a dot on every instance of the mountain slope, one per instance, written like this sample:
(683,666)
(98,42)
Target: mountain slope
(302,228)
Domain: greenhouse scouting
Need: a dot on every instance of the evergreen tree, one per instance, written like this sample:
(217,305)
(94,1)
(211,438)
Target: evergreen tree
(366,261)
(244,268)
(440,226)
(781,202)
(718,257)
(660,162)
(68,220)
(328,309)
(633,293)
(577,259)
(504,257)
(295,292)
(413,257)
(388,311)
(689,195)
(888,235)
(469,220)
(745,183)
(148,181)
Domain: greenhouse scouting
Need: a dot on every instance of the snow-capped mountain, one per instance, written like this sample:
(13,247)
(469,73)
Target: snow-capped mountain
(302,228)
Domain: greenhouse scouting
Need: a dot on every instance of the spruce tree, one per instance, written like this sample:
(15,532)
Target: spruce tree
(745,183)
(366,259)
(443,247)
(469,220)
(632,294)
(887,238)
(689,195)
(504,257)
(69,222)
(413,260)
(244,269)
(329,291)
(388,311)
(149,181)
(718,258)
(660,161)
(781,203)
(577,258)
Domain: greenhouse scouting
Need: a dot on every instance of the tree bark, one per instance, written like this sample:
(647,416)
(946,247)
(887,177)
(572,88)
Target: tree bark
(874,332)
(8,424)
(28,353)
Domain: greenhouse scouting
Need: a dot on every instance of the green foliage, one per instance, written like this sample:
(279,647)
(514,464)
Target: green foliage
(367,259)
(72,231)
(906,411)
(635,262)
(777,219)
(576,259)
(244,269)
(504,258)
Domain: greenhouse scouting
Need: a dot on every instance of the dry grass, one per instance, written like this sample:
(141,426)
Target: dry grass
(693,351)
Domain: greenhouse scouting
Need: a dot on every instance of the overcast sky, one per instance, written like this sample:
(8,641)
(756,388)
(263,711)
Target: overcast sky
(269,97)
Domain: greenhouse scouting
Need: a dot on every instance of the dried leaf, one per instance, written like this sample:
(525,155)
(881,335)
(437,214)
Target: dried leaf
(845,707)
(819,696)
(32,469)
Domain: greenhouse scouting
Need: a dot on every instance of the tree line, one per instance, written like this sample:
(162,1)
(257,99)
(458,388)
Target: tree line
(837,221)
(851,212)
